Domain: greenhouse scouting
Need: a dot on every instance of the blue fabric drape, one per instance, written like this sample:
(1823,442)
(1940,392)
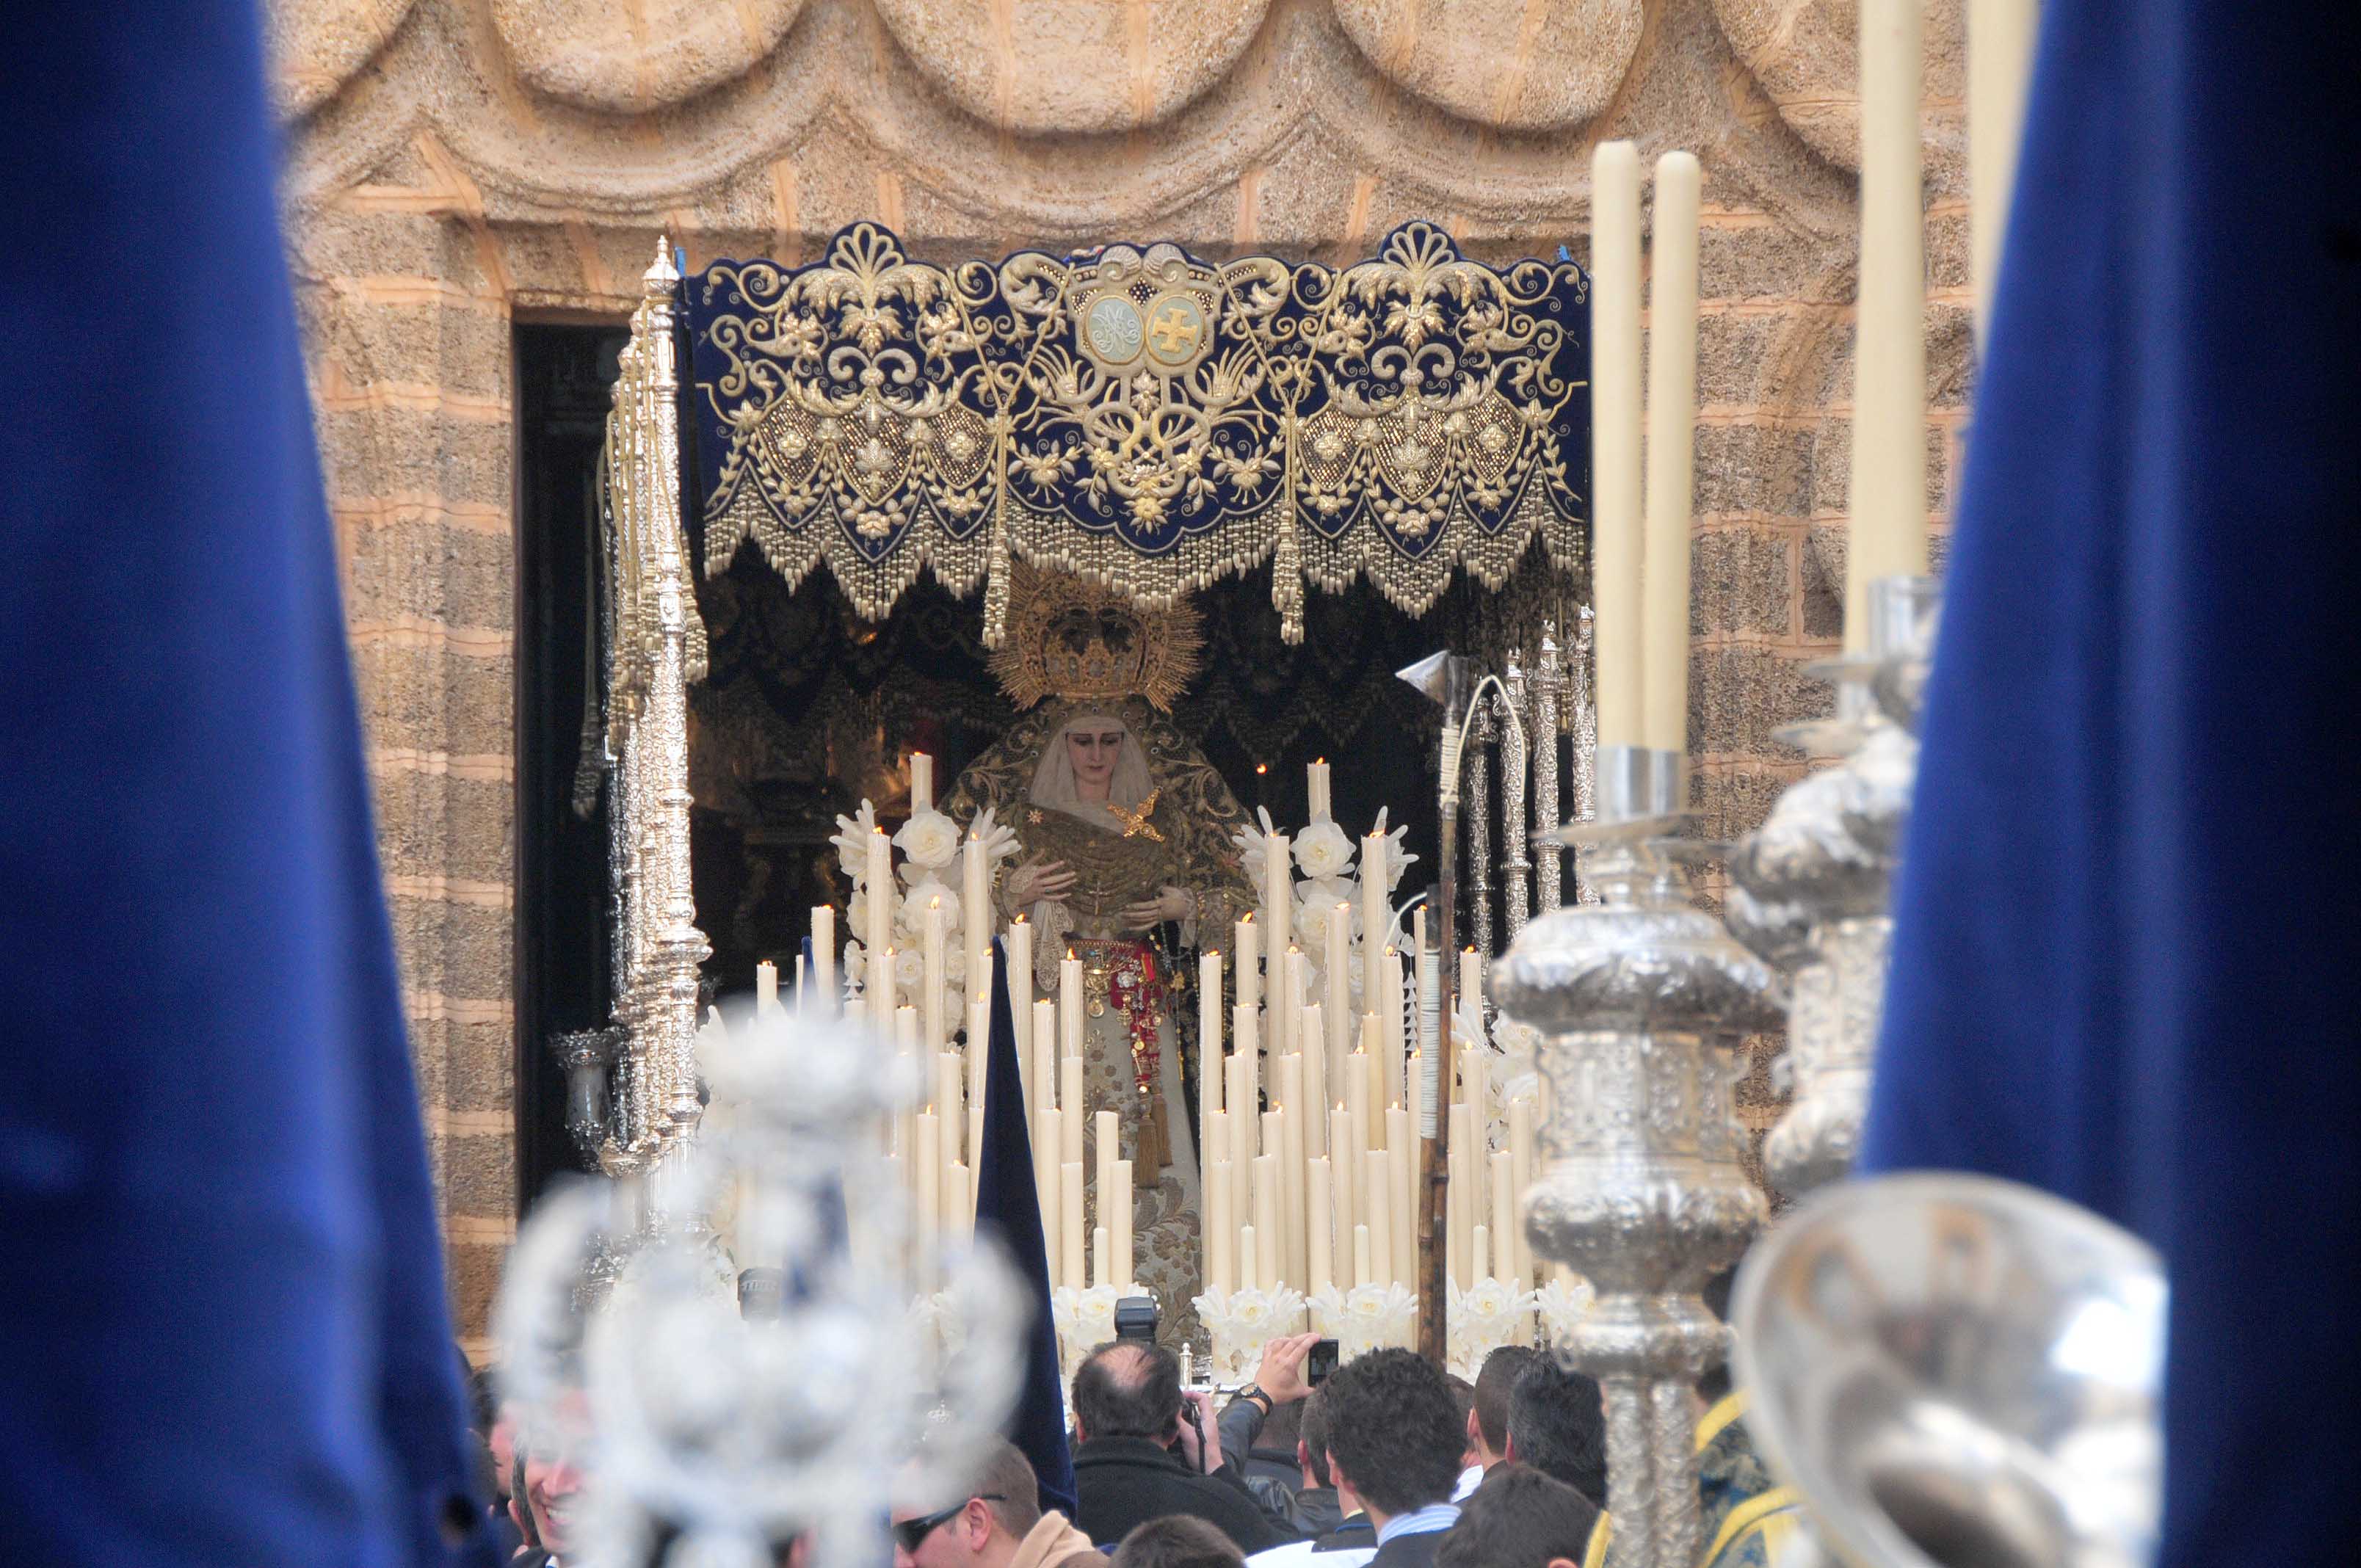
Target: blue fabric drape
(1008,1205)
(2122,967)
(224,1337)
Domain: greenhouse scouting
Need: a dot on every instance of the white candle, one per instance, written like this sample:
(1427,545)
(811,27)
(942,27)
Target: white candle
(1362,1094)
(1249,1257)
(1070,1201)
(1345,1166)
(1887,530)
(878,886)
(1245,1120)
(979,1049)
(1361,1257)
(1293,1134)
(1379,1231)
(1119,1210)
(1209,1043)
(931,922)
(1045,1183)
(1249,965)
(975,1150)
(922,783)
(1338,1015)
(1278,902)
(1070,1006)
(958,1200)
(913,1066)
(1045,1052)
(2000,63)
(1020,997)
(1069,1109)
(1402,1164)
(975,901)
(1108,1138)
(1221,1239)
(1376,914)
(948,1104)
(1267,1223)
(1315,786)
(1671,441)
(1470,998)
(823,940)
(1521,1169)
(1299,988)
(766,987)
(926,1174)
(1320,1263)
(1389,1017)
(1102,1256)
(1510,1264)
(1615,436)
(1312,1066)
(1479,1252)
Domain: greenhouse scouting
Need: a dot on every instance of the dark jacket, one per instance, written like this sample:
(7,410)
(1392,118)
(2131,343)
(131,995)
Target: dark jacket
(1241,1422)
(1311,1511)
(1356,1532)
(1414,1551)
(1126,1481)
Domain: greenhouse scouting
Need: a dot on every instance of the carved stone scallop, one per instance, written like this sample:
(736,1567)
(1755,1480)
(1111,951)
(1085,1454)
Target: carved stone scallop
(1079,65)
(1522,67)
(1806,55)
(624,59)
(316,45)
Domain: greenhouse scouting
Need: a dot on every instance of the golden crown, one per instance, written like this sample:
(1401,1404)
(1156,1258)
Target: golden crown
(1071,637)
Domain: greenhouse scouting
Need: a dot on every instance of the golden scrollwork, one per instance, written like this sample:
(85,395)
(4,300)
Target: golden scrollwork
(1143,417)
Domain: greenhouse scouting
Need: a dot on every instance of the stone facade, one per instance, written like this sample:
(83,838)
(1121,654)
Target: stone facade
(457,165)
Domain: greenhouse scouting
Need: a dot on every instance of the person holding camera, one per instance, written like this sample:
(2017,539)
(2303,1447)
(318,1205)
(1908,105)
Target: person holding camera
(1259,1431)
(1143,1450)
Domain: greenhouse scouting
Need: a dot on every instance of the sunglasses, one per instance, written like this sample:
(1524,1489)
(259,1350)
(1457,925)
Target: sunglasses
(909,1533)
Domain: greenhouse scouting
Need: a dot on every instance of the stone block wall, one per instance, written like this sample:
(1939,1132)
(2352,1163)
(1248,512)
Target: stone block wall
(454,165)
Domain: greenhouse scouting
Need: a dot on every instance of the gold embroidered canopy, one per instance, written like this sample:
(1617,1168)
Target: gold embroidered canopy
(1142,417)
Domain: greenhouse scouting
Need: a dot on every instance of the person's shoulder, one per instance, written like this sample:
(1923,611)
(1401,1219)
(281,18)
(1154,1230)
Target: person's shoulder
(1415,1549)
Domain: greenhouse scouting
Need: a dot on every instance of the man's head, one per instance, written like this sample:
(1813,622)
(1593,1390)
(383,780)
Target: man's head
(1001,1505)
(546,1481)
(1394,1434)
(1488,1423)
(1128,1388)
(1557,1424)
(1312,1440)
(1520,1518)
(1177,1540)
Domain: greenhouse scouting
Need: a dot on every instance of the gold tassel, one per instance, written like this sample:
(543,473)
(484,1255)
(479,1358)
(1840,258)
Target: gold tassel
(1154,1151)
(995,586)
(1287,579)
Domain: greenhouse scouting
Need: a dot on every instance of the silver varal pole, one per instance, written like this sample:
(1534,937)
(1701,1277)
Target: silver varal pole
(1812,887)
(1637,999)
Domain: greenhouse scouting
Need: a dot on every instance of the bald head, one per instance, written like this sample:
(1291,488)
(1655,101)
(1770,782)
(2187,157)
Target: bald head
(1128,1388)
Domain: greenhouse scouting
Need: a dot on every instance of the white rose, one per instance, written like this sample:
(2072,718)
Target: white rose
(1321,903)
(911,918)
(856,910)
(929,839)
(909,971)
(1324,850)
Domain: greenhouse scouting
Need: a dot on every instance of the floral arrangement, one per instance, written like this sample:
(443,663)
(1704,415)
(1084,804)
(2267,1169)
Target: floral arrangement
(1240,1321)
(1085,1320)
(1564,1302)
(1484,1317)
(930,845)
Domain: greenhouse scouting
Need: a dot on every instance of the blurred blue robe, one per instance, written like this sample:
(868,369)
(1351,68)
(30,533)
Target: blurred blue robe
(2131,895)
(224,1337)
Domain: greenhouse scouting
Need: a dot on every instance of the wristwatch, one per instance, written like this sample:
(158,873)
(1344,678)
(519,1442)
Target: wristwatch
(1254,1391)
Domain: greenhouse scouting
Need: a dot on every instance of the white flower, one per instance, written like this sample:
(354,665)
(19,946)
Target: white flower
(1563,1303)
(1242,1319)
(851,840)
(855,962)
(856,909)
(909,971)
(1398,860)
(999,841)
(1321,903)
(1375,1315)
(1323,850)
(1253,844)
(1482,1318)
(911,918)
(929,839)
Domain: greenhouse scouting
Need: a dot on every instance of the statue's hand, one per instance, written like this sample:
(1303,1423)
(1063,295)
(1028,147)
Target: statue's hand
(1036,879)
(1171,904)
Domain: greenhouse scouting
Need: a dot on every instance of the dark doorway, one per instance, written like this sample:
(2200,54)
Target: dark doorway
(564,377)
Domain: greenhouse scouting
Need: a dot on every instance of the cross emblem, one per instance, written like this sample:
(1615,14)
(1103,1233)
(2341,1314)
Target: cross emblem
(1135,823)
(1174,333)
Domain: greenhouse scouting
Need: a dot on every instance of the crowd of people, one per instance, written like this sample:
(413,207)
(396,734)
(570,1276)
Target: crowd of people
(1388,1462)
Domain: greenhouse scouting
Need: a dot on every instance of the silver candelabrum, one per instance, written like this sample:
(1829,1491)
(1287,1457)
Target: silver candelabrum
(1639,999)
(1812,887)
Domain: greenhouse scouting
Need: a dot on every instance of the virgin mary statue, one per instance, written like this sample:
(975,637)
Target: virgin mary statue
(1127,863)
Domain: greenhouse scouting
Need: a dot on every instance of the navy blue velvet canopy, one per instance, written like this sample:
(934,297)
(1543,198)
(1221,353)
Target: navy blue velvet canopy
(1143,416)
